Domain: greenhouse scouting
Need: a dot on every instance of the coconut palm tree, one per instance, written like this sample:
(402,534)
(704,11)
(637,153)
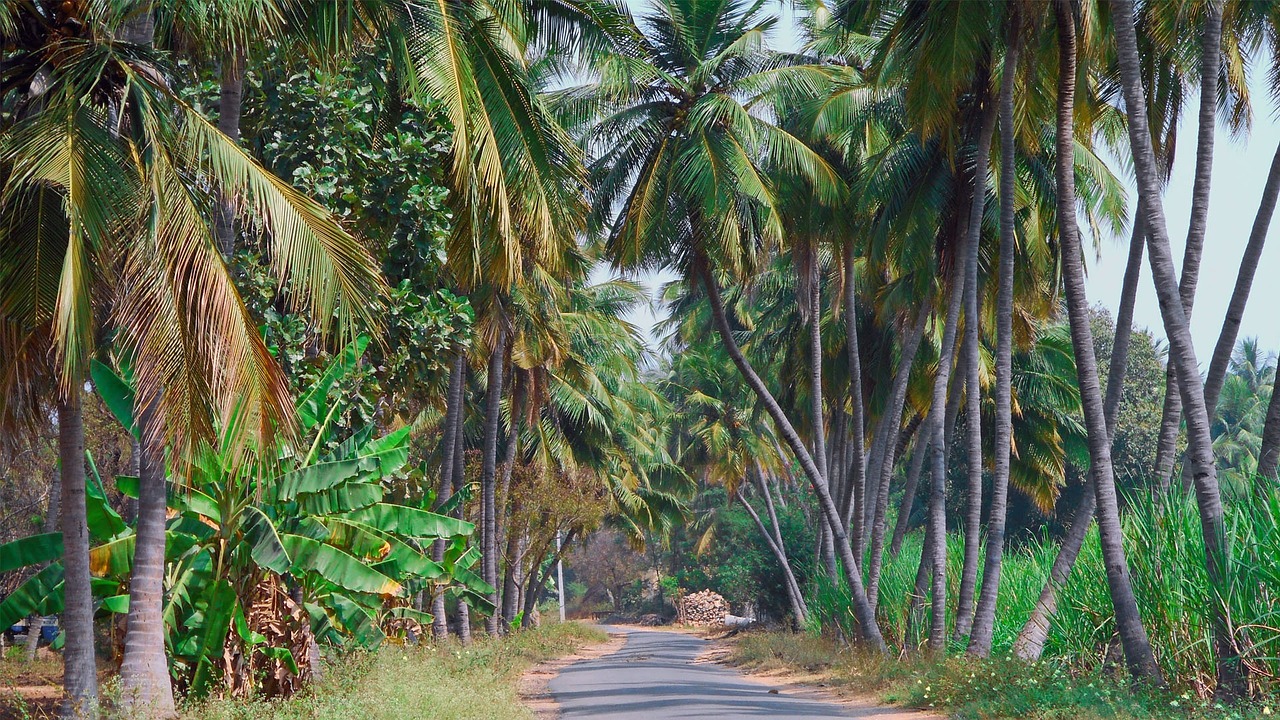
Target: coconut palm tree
(1182,351)
(120,178)
(689,168)
(1133,637)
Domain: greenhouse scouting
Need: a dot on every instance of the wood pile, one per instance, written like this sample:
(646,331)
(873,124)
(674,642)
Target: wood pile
(703,608)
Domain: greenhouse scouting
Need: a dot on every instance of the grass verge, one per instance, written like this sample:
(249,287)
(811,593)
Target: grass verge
(963,687)
(441,682)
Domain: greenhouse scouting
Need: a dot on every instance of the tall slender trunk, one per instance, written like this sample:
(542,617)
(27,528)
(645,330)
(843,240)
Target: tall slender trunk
(1133,636)
(857,420)
(488,470)
(817,417)
(1269,453)
(980,635)
(1221,359)
(950,412)
(504,493)
(448,452)
(1031,639)
(460,482)
(963,273)
(144,672)
(230,101)
(905,508)
(538,579)
(80,671)
(867,626)
(1182,350)
(915,605)
(779,552)
(973,436)
(1210,62)
(883,472)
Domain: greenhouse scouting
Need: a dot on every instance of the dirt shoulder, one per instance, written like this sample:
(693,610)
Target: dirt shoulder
(812,683)
(534,685)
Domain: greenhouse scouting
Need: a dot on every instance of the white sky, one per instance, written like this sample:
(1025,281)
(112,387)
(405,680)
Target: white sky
(1240,169)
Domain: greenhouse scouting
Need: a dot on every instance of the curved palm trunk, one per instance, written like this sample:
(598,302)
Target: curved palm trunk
(144,672)
(538,579)
(1269,453)
(80,671)
(1221,359)
(230,102)
(780,553)
(459,482)
(973,507)
(488,472)
(963,276)
(1133,636)
(857,470)
(762,482)
(1031,639)
(883,473)
(867,626)
(448,453)
(909,489)
(1210,60)
(981,634)
(815,408)
(1182,350)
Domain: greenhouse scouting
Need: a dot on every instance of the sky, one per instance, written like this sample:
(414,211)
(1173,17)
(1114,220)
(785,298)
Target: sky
(1239,171)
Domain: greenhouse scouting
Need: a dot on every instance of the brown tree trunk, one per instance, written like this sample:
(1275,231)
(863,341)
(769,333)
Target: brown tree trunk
(981,634)
(230,102)
(144,673)
(857,470)
(1133,636)
(80,670)
(448,455)
(869,630)
(488,472)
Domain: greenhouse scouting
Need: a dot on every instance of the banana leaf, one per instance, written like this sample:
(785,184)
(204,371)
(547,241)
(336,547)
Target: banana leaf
(343,498)
(313,406)
(104,523)
(397,559)
(30,550)
(118,604)
(409,613)
(215,623)
(115,393)
(265,546)
(357,621)
(410,522)
(337,567)
(177,498)
(318,477)
(41,594)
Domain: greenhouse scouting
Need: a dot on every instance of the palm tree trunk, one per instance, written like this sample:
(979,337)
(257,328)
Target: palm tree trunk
(459,482)
(1133,636)
(448,453)
(488,471)
(1182,350)
(817,417)
(1269,452)
(144,672)
(883,471)
(1210,62)
(1031,639)
(538,579)
(780,553)
(915,605)
(982,632)
(504,491)
(80,671)
(230,102)
(962,275)
(1221,359)
(867,626)
(973,507)
(905,508)
(857,420)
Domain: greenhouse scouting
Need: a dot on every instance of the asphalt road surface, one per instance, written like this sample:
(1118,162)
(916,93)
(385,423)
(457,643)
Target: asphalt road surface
(654,677)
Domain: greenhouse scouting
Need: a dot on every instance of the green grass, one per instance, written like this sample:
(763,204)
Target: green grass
(443,682)
(1000,689)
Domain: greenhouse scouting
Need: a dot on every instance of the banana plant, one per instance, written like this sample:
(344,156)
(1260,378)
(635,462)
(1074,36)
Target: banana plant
(268,553)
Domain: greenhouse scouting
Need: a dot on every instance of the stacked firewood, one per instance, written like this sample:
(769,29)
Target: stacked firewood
(703,608)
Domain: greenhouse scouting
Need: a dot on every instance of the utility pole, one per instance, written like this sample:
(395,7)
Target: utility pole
(559,576)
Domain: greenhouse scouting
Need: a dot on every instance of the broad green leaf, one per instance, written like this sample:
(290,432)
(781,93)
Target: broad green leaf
(264,542)
(215,623)
(104,523)
(472,581)
(115,393)
(410,614)
(357,621)
(391,450)
(177,498)
(318,477)
(337,567)
(313,406)
(41,594)
(118,604)
(30,550)
(344,498)
(112,558)
(411,522)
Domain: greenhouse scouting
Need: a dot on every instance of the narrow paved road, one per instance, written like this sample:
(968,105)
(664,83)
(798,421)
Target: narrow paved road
(654,677)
